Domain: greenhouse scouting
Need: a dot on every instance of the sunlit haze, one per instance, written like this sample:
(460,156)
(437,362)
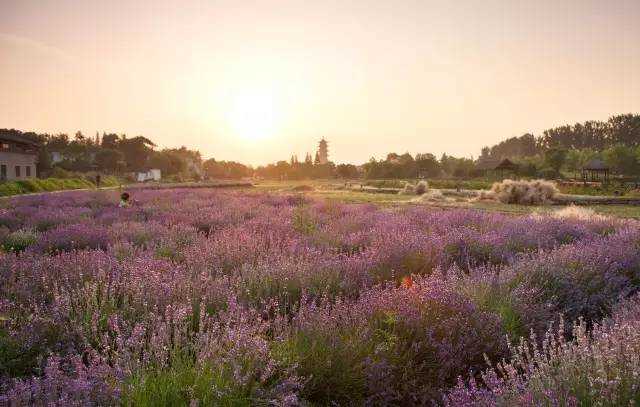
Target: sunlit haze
(258,81)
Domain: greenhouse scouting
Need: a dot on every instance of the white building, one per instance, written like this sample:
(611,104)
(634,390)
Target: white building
(153,174)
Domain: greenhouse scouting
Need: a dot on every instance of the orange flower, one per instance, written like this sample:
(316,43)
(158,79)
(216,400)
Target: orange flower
(406,282)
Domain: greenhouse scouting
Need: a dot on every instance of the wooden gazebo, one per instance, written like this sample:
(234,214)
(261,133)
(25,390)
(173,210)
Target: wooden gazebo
(490,166)
(595,170)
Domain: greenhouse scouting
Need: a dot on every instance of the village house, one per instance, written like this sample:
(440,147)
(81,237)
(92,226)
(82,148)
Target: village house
(18,157)
(152,174)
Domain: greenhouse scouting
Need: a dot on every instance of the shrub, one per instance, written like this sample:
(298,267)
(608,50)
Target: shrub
(548,173)
(58,172)
(464,184)
(303,221)
(221,359)
(517,306)
(11,188)
(600,367)
(388,183)
(65,382)
(393,346)
(411,189)
(421,187)
(582,280)
(536,192)
(408,189)
(42,185)
(73,237)
(18,241)
(4,232)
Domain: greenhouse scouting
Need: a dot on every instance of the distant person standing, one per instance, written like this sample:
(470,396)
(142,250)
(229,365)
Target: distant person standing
(98,179)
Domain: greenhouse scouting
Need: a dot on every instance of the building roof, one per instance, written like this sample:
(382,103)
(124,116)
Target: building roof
(495,164)
(595,165)
(18,139)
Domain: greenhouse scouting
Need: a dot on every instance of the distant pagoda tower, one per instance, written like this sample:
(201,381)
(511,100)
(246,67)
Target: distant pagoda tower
(323,151)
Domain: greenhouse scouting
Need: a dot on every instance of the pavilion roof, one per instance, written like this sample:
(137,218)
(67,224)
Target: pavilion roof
(506,164)
(595,165)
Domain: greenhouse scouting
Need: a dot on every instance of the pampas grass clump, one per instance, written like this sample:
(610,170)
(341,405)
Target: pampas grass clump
(579,213)
(485,196)
(418,189)
(536,192)
(409,189)
(421,187)
(433,195)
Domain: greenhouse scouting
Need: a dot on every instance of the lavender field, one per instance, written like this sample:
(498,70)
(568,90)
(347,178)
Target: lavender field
(204,297)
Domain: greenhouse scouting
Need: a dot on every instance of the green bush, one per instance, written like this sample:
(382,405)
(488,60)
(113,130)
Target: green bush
(333,363)
(433,183)
(10,188)
(463,184)
(611,189)
(18,241)
(58,172)
(549,173)
(48,184)
(386,183)
(16,360)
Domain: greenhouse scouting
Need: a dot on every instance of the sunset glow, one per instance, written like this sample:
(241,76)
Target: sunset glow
(369,75)
(254,114)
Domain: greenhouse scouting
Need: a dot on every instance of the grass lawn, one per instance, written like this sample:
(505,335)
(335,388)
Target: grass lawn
(362,197)
(334,190)
(621,211)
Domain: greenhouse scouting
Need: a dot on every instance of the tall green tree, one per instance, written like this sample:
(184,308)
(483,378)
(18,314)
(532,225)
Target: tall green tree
(428,165)
(555,157)
(622,159)
(136,151)
(108,160)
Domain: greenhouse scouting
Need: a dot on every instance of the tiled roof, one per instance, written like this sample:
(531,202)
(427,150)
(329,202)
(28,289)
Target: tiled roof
(18,139)
(596,164)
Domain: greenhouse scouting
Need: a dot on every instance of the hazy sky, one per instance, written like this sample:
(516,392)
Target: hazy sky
(256,81)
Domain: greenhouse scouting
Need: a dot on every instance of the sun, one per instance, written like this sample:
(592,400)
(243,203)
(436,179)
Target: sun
(254,113)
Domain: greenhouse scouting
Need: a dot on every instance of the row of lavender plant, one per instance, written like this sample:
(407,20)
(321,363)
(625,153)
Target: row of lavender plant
(229,297)
(599,367)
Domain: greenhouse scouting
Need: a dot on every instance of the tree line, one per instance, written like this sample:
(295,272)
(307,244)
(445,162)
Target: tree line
(557,152)
(112,153)
(568,148)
